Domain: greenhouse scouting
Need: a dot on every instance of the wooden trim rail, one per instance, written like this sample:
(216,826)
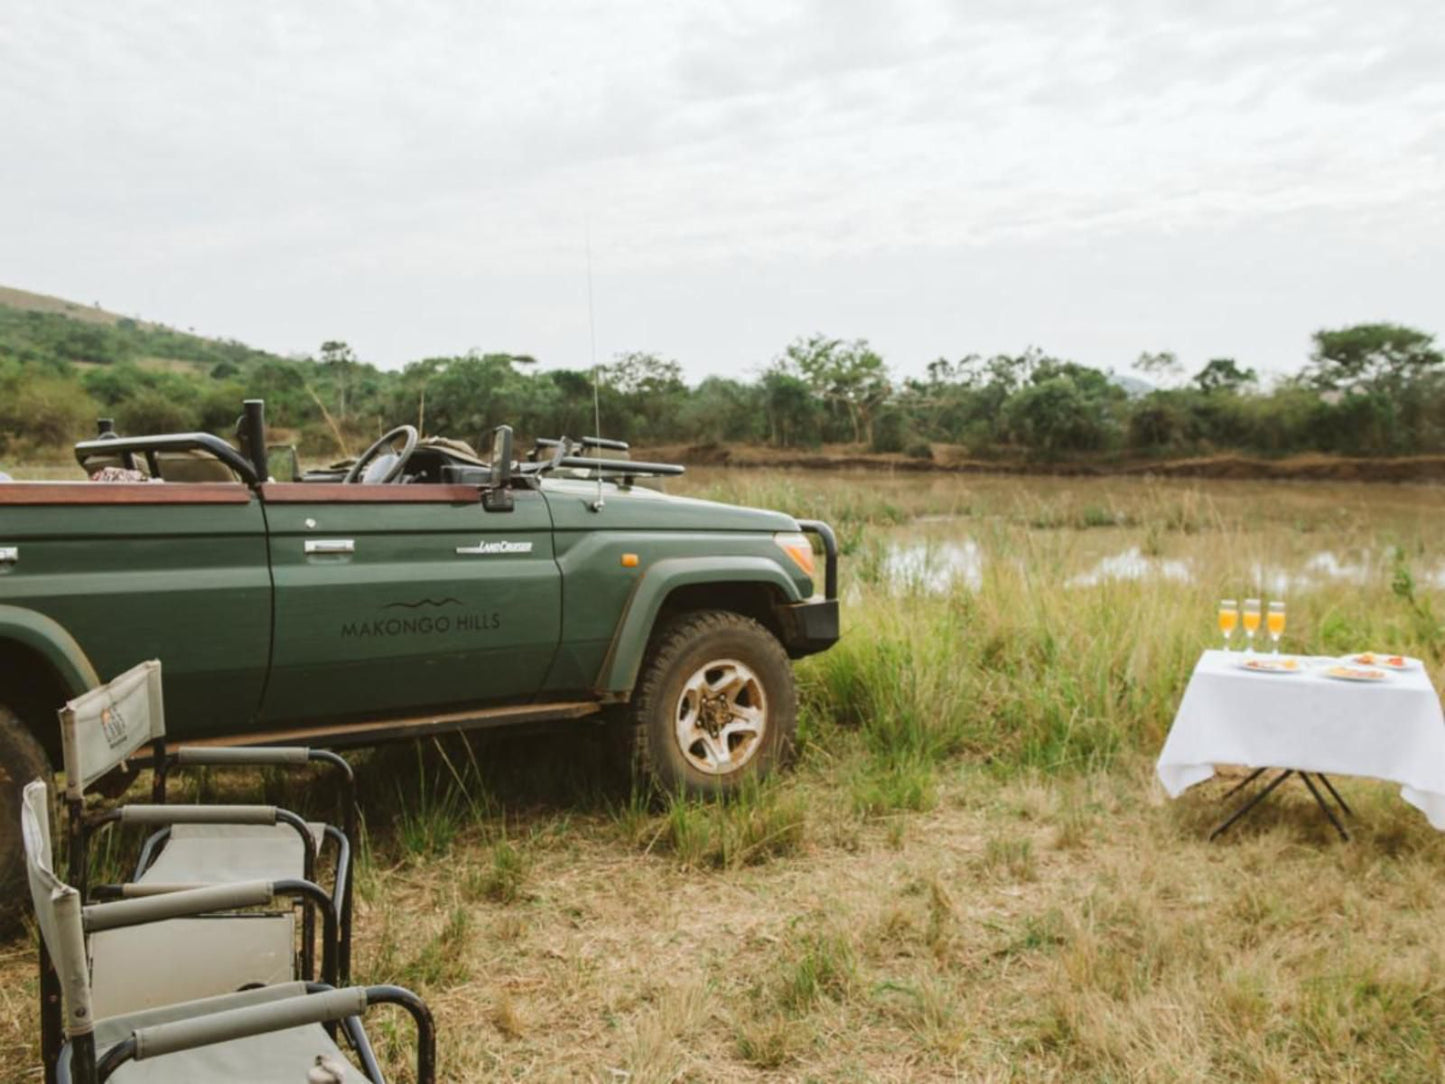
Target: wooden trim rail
(123,493)
(22,493)
(359,493)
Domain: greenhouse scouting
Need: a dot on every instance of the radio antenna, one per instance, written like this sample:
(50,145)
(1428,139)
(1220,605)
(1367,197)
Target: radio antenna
(596,376)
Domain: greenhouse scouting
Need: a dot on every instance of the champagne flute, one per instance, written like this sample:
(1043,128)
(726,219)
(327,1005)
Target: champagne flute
(1275,623)
(1228,619)
(1250,618)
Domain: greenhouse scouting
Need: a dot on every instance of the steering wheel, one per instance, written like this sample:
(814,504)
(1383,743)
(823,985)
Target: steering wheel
(381,463)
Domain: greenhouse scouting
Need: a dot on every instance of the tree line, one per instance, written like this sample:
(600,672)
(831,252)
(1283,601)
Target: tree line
(1369,389)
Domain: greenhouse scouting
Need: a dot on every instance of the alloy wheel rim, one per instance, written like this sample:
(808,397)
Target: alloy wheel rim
(721,716)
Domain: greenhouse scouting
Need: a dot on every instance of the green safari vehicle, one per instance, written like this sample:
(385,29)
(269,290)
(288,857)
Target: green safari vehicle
(422,588)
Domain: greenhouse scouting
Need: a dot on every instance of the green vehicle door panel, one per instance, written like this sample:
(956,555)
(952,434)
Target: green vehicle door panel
(187,584)
(405,622)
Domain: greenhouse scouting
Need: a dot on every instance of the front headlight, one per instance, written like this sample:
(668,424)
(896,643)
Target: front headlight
(796,545)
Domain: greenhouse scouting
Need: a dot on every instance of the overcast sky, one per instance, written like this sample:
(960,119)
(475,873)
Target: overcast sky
(1095,178)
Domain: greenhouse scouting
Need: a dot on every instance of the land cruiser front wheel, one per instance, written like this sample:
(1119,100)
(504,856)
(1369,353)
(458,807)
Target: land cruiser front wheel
(714,705)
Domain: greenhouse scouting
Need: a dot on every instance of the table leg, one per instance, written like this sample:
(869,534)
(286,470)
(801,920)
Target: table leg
(1340,828)
(1242,810)
(1334,793)
(1232,791)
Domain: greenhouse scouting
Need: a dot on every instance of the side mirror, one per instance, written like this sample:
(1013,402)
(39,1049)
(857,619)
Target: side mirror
(498,497)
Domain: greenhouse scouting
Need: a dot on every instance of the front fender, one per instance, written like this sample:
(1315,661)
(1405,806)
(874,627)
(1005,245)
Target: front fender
(629,641)
(48,638)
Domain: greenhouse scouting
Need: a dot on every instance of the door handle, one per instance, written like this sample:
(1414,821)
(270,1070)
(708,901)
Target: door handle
(9,555)
(330,545)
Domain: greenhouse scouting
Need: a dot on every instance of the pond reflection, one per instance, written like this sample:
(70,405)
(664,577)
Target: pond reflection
(934,566)
(939,565)
(1131,564)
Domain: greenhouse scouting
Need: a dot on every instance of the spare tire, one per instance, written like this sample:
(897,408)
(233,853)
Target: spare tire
(21,760)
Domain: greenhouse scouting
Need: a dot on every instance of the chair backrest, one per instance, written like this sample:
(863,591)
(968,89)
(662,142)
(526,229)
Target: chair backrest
(101,728)
(57,909)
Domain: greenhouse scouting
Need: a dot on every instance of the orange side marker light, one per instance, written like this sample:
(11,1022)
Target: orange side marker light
(629,560)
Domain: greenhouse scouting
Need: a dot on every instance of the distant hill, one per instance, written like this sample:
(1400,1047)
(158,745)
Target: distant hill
(26,301)
(1133,386)
(63,364)
(38,329)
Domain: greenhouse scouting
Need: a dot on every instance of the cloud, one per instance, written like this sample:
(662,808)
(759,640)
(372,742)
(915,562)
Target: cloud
(419,177)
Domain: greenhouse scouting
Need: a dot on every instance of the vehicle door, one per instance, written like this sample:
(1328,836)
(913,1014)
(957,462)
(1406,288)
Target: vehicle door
(392,599)
(175,572)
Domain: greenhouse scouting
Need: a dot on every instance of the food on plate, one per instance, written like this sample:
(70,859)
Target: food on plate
(1356,673)
(1375,658)
(1272,666)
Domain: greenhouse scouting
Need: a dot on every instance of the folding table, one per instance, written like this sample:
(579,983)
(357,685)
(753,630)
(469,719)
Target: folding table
(1307,724)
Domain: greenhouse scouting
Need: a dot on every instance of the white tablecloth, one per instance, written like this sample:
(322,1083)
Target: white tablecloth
(1390,730)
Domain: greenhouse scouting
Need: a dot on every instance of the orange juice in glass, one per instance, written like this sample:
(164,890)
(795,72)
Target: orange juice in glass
(1249,617)
(1274,622)
(1228,619)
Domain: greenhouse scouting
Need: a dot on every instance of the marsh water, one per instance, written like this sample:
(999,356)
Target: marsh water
(936,533)
(942,532)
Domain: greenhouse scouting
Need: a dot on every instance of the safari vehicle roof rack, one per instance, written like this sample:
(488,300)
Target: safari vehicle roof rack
(565,454)
(251,428)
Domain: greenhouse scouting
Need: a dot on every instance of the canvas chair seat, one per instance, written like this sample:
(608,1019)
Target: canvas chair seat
(227,953)
(215,853)
(282,1057)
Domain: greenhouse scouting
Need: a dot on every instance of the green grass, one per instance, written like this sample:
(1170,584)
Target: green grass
(760,823)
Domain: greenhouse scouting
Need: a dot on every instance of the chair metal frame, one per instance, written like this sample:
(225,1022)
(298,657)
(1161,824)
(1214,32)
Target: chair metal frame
(113,712)
(66,921)
(165,762)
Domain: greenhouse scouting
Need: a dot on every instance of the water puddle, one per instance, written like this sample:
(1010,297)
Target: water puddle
(1132,565)
(940,565)
(935,566)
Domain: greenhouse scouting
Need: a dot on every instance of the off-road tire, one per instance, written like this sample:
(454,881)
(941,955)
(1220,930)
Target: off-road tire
(21,760)
(677,651)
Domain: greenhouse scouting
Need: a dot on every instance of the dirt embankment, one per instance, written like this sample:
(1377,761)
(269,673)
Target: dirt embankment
(952,460)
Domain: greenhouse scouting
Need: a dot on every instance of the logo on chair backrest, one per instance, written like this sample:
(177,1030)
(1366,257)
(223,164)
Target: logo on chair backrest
(112,725)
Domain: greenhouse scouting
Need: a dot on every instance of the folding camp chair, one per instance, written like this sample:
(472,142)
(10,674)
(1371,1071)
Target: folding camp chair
(197,845)
(257,1036)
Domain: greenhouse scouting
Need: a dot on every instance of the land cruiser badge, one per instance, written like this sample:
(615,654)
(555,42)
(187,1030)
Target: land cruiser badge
(487,549)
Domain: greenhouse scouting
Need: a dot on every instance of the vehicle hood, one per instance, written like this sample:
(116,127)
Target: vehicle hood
(636,508)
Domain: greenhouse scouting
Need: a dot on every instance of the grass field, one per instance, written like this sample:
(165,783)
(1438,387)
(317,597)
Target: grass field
(970,873)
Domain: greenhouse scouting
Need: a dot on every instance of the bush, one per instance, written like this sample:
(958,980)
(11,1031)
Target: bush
(44,412)
(890,431)
(1155,425)
(152,411)
(1054,416)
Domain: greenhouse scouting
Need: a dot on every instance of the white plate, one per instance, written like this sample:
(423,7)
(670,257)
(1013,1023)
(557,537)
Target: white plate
(1372,679)
(1271,666)
(1377,661)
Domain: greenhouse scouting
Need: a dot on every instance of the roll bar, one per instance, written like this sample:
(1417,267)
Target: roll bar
(251,429)
(128,447)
